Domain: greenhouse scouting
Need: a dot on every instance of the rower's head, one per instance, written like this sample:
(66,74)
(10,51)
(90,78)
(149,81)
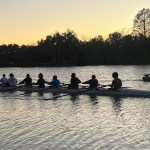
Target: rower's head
(115,75)
(28,76)
(93,76)
(4,75)
(54,77)
(73,75)
(40,76)
(11,75)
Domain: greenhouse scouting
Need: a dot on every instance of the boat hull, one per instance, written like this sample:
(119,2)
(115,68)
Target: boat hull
(146,78)
(100,91)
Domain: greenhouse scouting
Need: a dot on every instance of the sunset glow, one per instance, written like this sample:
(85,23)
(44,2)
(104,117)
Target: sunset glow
(27,21)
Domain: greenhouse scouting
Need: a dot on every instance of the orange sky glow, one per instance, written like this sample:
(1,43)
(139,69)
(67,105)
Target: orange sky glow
(27,21)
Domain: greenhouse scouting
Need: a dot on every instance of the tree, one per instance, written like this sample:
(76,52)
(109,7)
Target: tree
(114,38)
(141,25)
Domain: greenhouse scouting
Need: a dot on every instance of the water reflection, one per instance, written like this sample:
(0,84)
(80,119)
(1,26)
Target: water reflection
(76,121)
(93,99)
(40,94)
(74,97)
(117,105)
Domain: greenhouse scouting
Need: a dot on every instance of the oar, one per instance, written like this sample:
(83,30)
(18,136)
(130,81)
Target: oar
(98,86)
(64,84)
(109,86)
(55,97)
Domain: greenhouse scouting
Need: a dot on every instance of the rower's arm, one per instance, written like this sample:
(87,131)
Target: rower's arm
(22,82)
(86,82)
(47,82)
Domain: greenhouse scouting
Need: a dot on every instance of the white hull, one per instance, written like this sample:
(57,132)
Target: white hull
(100,91)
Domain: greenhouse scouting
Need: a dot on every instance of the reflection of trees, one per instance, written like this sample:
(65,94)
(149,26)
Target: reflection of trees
(65,49)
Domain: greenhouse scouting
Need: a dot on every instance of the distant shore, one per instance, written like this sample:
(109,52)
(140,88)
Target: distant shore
(52,65)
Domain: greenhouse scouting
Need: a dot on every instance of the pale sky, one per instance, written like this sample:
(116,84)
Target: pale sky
(27,21)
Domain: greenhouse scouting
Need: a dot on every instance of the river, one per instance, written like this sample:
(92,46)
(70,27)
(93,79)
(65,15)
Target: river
(80,122)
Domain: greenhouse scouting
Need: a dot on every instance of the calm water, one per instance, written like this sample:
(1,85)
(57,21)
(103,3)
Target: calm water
(78,122)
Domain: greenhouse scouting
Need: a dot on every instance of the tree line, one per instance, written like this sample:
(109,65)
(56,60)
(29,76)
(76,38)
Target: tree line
(65,49)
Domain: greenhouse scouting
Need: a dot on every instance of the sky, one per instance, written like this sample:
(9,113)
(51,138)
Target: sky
(28,21)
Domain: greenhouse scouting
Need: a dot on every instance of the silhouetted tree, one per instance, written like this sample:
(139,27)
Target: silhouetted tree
(142,23)
(65,49)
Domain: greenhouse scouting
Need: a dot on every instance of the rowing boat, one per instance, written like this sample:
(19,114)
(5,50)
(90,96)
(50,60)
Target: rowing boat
(146,78)
(99,91)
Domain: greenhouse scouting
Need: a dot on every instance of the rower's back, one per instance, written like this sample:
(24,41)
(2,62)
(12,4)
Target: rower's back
(27,81)
(116,83)
(12,81)
(3,80)
(41,81)
(55,82)
(93,82)
(74,81)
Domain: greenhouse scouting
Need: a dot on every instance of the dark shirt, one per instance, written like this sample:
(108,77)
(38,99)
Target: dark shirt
(116,84)
(92,82)
(74,83)
(41,83)
(27,82)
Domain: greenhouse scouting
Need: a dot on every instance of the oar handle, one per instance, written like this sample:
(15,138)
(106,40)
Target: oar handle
(64,84)
(110,85)
(105,85)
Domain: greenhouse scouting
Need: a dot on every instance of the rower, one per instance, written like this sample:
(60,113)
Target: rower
(3,80)
(41,81)
(54,83)
(116,83)
(12,81)
(27,81)
(74,82)
(93,83)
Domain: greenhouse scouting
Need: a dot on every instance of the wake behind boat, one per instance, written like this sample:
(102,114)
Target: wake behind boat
(99,91)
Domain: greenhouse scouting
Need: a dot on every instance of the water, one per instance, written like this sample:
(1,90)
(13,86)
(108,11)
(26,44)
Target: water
(79,122)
